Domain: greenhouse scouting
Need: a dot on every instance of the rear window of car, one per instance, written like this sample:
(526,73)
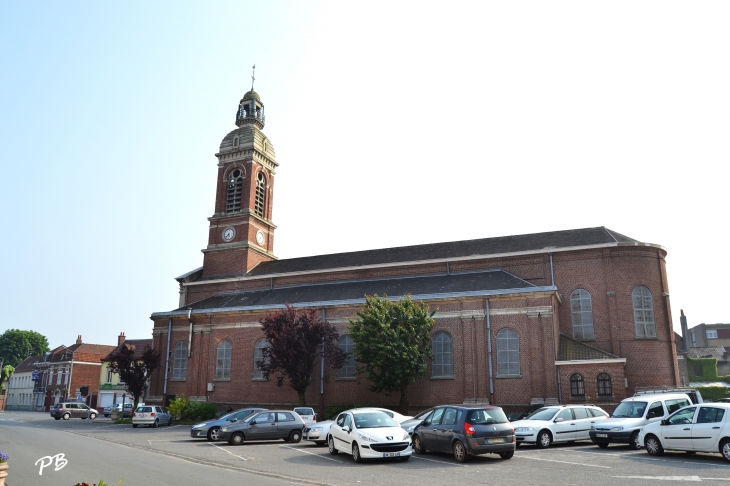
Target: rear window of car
(304,411)
(487,416)
(284,417)
(580,413)
(144,409)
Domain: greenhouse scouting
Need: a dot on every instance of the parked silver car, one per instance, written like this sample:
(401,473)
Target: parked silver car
(317,432)
(268,425)
(210,429)
(152,415)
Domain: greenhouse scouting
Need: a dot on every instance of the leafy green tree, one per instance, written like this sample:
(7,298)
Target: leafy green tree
(392,343)
(16,345)
(295,342)
(5,373)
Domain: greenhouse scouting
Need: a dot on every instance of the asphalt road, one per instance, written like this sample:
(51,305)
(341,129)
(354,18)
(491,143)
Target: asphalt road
(168,455)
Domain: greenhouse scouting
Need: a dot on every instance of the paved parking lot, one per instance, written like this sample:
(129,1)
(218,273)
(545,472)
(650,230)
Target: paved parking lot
(580,463)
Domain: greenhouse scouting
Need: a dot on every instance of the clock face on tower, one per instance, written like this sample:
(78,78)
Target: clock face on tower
(260,237)
(228,234)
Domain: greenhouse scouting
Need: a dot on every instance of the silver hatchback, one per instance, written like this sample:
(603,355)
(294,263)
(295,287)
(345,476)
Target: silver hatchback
(152,415)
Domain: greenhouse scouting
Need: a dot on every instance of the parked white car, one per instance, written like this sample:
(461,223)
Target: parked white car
(317,432)
(307,413)
(632,414)
(368,434)
(152,415)
(558,423)
(697,428)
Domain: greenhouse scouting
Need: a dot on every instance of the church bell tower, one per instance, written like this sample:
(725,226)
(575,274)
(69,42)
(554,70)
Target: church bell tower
(241,233)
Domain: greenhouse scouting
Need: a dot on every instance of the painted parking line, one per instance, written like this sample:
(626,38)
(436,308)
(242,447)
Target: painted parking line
(314,454)
(562,462)
(229,452)
(439,462)
(663,478)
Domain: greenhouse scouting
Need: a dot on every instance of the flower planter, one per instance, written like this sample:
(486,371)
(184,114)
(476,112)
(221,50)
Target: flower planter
(3,472)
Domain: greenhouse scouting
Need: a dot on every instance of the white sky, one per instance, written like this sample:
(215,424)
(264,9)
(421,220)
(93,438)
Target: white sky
(395,123)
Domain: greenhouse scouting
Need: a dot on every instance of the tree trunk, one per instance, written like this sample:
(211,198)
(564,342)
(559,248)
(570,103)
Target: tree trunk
(301,398)
(403,404)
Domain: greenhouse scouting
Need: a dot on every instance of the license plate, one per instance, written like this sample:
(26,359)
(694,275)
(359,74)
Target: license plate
(494,441)
(602,435)
(391,454)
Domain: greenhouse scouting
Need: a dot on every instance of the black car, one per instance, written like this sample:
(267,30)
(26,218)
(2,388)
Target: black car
(465,431)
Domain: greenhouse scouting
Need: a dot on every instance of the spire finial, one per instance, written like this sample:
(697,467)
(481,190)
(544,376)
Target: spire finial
(252,76)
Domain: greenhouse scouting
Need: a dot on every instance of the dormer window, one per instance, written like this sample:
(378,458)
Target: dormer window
(235,142)
(235,190)
(260,194)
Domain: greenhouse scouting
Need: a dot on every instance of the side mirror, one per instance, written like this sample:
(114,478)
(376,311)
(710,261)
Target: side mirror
(665,422)
(651,415)
(253,422)
(558,420)
(522,415)
(234,419)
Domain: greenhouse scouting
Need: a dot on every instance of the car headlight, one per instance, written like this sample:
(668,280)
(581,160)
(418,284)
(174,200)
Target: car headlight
(366,438)
(405,436)
(316,429)
(617,429)
(524,429)
(199,426)
(224,429)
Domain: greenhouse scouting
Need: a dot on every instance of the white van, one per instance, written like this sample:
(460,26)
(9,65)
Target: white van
(633,413)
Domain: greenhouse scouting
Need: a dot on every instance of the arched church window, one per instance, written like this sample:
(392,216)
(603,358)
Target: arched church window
(604,384)
(581,309)
(577,386)
(235,142)
(180,361)
(508,352)
(235,191)
(260,194)
(443,363)
(643,312)
(258,355)
(223,360)
(348,346)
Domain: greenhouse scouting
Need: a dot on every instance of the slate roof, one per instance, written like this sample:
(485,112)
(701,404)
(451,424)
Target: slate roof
(717,352)
(138,345)
(452,249)
(454,283)
(27,364)
(571,350)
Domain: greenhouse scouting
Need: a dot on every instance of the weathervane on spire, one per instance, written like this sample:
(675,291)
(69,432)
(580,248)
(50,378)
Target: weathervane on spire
(252,76)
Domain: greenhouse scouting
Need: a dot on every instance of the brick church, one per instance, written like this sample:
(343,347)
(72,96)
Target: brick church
(579,315)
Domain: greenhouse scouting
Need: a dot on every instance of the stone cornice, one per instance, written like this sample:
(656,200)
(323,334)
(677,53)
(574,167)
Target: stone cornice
(241,214)
(247,155)
(239,245)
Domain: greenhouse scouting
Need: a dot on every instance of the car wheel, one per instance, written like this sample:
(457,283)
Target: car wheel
(507,455)
(544,439)
(156,424)
(134,426)
(295,436)
(66,416)
(92,416)
(214,433)
(459,450)
(236,439)
(331,444)
(418,445)
(602,445)
(654,446)
(634,441)
(405,458)
(169,422)
(356,452)
(725,449)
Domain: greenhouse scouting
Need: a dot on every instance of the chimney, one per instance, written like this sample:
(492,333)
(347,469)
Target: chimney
(685,331)
(78,339)
(121,338)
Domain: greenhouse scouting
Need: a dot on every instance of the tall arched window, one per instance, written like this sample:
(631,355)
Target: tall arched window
(348,346)
(581,309)
(577,388)
(180,360)
(643,312)
(604,384)
(443,357)
(235,191)
(258,355)
(223,360)
(508,352)
(260,194)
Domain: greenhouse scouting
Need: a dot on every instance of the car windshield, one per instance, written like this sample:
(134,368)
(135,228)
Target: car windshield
(629,410)
(373,420)
(543,414)
(487,416)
